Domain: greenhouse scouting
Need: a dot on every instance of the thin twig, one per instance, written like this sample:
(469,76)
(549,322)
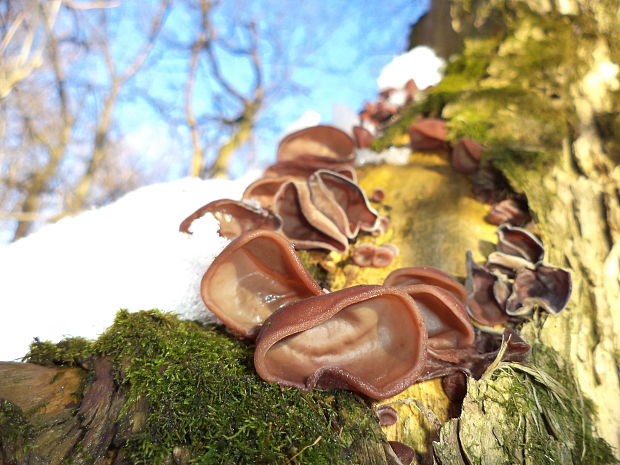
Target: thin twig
(316,441)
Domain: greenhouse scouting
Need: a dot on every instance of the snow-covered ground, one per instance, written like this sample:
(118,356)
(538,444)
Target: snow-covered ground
(70,278)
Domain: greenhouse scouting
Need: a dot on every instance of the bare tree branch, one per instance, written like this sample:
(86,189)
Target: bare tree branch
(82,188)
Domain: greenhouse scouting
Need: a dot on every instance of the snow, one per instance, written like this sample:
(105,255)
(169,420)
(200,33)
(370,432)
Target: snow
(391,156)
(70,278)
(420,64)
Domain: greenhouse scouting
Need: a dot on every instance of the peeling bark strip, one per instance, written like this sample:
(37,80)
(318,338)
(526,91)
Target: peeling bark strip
(49,397)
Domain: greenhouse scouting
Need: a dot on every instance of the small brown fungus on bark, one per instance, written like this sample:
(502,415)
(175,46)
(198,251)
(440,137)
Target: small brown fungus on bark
(483,305)
(546,287)
(387,415)
(378,195)
(366,255)
(508,211)
(520,242)
(428,134)
(362,137)
(303,223)
(402,453)
(466,156)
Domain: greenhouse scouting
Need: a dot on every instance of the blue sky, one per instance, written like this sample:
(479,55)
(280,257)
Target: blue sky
(333,53)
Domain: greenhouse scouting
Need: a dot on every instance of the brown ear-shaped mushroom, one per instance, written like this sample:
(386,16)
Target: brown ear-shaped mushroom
(326,142)
(428,134)
(546,287)
(508,211)
(303,223)
(366,255)
(426,275)
(447,324)
(253,276)
(235,218)
(483,304)
(506,263)
(398,453)
(369,339)
(264,190)
(387,415)
(343,202)
(466,156)
(362,136)
(475,361)
(520,242)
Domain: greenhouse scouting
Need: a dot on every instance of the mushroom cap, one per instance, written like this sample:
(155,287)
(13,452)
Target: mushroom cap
(508,211)
(506,264)
(369,339)
(447,324)
(303,223)
(253,276)
(520,242)
(545,286)
(387,415)
(381,256)
(428,134)
(402,453)
(426,275)
(482,304)
(362,136)
(264,190)
(235,218)
(343,201)
(303,166)
(466,156)
(325,142)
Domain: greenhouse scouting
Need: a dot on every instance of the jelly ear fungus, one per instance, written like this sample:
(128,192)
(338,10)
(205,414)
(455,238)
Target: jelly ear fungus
(370,339)
(252,277)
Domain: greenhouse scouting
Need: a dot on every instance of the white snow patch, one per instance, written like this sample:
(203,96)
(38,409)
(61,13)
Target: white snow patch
(70,278)
(391,156)
(420,64)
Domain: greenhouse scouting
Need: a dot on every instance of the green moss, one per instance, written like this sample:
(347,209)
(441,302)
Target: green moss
(511,91)
(311,260)
(16,433)
(205,400)
(72,351)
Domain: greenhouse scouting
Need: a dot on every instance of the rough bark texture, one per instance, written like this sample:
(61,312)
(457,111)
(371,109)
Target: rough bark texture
(537,82)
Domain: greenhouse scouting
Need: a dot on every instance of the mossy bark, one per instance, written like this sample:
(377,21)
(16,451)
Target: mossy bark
(538,83)
(156,390)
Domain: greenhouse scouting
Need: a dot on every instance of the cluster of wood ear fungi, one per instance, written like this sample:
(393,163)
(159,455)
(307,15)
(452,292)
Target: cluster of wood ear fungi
(373,339)
(310,195)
